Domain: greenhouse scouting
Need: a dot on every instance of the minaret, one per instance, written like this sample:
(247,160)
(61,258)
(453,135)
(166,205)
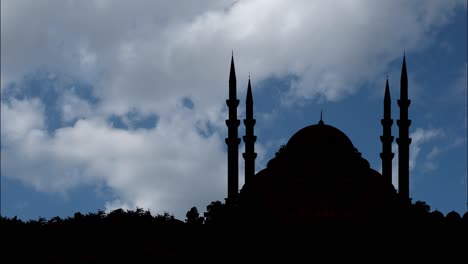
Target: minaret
(232,140)
(387,138)
(321,121)
(249,138)
(403,139)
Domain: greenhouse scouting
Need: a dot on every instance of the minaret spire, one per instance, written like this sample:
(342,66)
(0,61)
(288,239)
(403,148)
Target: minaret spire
(249,138)
(321,120)
(232,140)
(232,80)
(387,155)
(404,81)
(403,139)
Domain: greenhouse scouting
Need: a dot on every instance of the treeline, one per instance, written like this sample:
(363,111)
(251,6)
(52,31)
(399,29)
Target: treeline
(134,236)
(217,213)
(115,217)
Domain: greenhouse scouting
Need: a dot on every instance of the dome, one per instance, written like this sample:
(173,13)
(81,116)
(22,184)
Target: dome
(320,136)
(318,173)
(453,216)
(437,216)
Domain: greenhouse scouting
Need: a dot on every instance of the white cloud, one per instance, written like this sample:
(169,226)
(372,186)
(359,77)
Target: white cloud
(75,107)
(161,169)
(430,160)
(20,118)
(420,137)
(434,153)
(146,54)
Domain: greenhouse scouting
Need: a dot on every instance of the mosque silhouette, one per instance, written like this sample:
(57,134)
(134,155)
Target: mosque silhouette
(318,173)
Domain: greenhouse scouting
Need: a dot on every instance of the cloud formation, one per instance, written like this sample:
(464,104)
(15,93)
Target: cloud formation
(169,167)
(150,54)
(420,137)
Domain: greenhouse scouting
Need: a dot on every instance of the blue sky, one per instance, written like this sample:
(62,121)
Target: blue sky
(109,104)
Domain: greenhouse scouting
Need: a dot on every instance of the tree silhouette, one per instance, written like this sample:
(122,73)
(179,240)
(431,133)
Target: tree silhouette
(216,213)
(193,217)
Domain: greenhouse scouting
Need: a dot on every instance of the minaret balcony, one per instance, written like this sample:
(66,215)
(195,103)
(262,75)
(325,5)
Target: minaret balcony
(232,102)
(403,141)
(404,123)
(386,122)
(232,122)
(386,138)
(404,103)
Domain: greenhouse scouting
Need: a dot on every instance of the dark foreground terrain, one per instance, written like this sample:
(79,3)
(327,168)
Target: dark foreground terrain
(137,236)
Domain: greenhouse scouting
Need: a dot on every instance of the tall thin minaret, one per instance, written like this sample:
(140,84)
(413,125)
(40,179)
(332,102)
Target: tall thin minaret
(403,139)
(249,138)
(232,140)
(387,138)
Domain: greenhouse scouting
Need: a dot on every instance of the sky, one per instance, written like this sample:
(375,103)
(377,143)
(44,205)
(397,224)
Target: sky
(121,104)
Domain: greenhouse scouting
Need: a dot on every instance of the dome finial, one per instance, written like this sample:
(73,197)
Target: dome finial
(321,121)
